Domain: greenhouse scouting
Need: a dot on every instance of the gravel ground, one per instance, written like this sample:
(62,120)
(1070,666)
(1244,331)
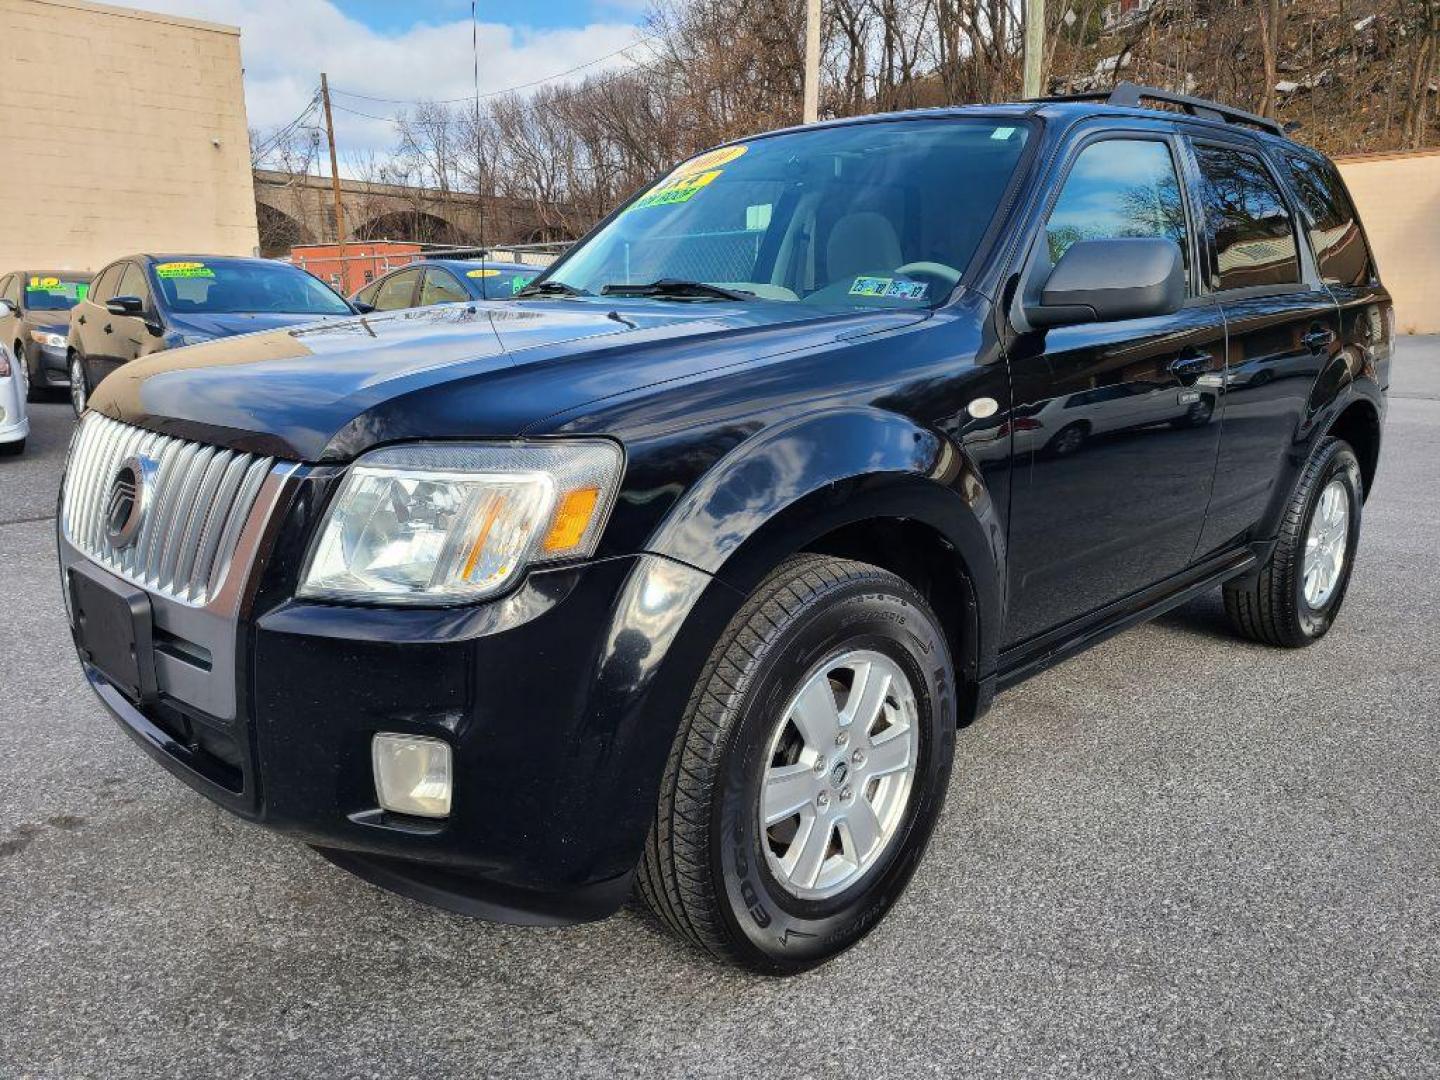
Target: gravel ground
(1175,855)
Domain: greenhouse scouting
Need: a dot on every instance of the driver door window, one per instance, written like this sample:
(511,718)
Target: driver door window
(1119,188)
(398,291)
(133,283)
(441,288)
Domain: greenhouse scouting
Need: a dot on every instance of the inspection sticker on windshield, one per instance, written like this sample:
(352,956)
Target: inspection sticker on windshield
(482,273)
(891,288)
(689,179)
(183,270)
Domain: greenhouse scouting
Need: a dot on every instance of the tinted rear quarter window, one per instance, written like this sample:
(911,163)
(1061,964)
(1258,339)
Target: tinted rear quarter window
(1246,218)
(1340,248)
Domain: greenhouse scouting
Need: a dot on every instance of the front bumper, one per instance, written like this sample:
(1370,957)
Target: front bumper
(559,702)
(52,365)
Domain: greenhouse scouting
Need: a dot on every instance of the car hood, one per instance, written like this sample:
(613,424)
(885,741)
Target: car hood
(328,392)
(48,322)
(219,326)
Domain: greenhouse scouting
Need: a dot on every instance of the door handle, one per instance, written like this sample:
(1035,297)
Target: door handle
(1316,340)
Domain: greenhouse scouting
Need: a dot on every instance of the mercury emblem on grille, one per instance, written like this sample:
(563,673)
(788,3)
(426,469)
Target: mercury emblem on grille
(126,503)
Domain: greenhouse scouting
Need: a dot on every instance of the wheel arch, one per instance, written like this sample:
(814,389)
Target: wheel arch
(1358,423)
(864,484)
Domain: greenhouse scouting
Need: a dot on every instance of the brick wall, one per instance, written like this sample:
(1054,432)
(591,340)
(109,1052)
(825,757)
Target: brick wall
(110,120)
(1398,196)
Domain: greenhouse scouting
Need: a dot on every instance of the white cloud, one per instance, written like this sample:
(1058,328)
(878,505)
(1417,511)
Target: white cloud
(287,43)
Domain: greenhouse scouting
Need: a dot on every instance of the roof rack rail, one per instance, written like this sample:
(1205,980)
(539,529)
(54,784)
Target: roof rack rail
(1130,95)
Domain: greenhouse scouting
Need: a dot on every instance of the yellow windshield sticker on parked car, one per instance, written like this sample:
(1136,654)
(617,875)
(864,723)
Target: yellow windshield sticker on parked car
(43,284)
(482,273)
(689,179)
(183,270)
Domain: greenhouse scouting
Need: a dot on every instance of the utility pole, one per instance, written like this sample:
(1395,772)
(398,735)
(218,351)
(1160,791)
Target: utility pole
(812,61)
(335,182)
(1034,47)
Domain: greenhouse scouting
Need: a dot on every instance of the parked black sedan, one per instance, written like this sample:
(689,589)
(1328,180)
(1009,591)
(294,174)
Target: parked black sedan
(443,281)
(34,319)
(143,304)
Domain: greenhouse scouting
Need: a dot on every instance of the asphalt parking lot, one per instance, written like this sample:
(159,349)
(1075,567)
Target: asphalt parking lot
(1176,855)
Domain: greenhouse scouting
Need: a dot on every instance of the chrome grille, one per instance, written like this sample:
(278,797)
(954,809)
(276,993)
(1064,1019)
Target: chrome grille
(197,499)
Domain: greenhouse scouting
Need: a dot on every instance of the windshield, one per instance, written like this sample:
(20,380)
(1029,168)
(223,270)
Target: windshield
(881,214)
(234,287)
(501,284)
(49,293)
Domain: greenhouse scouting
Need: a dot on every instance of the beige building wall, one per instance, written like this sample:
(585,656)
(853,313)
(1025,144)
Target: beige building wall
(120,131)
(1398,196)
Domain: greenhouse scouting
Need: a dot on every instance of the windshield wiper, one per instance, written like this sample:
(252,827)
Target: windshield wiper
(679,289)
(552,288)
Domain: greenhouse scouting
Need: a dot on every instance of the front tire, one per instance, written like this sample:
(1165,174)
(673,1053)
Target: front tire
(22,372)
(809,771)
(1293,600)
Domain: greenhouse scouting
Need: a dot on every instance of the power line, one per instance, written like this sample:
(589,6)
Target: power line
(605,80)
(477,96)
(278,136)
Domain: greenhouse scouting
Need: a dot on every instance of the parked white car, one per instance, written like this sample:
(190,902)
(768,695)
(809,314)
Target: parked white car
(14,420)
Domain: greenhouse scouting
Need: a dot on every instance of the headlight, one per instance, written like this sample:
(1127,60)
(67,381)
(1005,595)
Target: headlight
(55,341)
(437,523)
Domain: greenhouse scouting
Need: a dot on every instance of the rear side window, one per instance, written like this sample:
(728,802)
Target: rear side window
(1248,222)
(1335,234)
(1118,188)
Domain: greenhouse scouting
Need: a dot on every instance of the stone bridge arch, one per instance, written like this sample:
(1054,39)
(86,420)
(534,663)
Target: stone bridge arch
(295,209)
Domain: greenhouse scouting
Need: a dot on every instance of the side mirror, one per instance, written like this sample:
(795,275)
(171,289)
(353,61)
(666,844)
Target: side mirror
(1104,280)
(125,305)
(362,307)
(7,309)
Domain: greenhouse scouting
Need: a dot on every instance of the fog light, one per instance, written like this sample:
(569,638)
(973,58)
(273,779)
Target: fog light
(412,774)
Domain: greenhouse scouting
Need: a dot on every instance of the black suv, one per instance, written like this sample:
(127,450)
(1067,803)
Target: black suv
(681,571)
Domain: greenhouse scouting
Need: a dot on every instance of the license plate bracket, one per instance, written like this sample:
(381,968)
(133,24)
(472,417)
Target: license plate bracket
(114,630)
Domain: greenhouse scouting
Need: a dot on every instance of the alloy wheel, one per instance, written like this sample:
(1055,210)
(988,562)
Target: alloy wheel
(78,395)
(839,772)
(1326,544)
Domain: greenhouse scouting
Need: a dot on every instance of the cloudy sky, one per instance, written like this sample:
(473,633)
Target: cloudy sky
(389,49)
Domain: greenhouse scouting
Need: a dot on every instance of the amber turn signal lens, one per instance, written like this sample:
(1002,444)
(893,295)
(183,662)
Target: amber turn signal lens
(572,517)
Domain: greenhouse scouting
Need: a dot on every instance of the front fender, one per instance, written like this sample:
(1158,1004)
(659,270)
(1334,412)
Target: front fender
(787,487)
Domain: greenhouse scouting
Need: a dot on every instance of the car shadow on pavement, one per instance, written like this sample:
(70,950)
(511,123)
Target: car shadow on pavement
(1202,617)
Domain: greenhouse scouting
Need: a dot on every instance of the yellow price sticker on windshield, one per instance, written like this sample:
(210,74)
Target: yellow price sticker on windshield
(482,273)
(689,179)
(675,190)
(183,270)
(44,283)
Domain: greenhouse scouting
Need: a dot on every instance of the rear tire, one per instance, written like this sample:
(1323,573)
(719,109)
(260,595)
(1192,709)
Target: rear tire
(1293,599)
(12,449)
(714,863)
